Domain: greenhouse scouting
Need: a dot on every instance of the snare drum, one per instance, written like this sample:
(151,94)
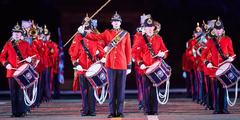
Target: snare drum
(25,75)
(97,75)
(228,75)
(158,72)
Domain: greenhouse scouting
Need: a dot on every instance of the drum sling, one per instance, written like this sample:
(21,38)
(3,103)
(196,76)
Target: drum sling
(86,50)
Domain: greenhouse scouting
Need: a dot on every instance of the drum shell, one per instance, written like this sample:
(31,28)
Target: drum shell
(26,77)
(159,74)
(229,77)
(99,79)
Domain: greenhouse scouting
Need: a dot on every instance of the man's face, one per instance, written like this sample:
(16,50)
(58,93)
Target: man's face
(16,35)
(116,24)
(149,30)
(219,32)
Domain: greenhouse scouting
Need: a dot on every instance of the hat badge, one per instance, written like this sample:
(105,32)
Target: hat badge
(149,21)
(218,23)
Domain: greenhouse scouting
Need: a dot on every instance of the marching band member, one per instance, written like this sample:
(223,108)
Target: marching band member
(198,35)
(144,58)
(138,71)
(186,67)
(14,51)
(191,55)
(53,62)
(83,54)
(118,63)
(37,44)
(221,49)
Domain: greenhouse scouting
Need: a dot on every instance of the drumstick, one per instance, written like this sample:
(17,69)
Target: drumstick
(25,59)
(215,67)
(163,51)
(87,21)
(226,60)
(84,70)
(14,68)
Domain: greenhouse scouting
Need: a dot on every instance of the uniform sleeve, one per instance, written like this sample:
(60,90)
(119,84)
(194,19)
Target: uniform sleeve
(100,49)
(136,49)
(230,48)
(163,47)
(31,51)
(4,54)
(73,50)
(128,51)
(205,53)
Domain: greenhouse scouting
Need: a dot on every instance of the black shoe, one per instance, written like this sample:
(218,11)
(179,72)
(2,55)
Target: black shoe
(20,115)
(120,115)
(216,112)
(140,107)
(111,115)
(92,114)
(84,114)
(225,112)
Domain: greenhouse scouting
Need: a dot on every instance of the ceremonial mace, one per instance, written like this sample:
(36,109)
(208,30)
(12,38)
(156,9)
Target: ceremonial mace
(88,20)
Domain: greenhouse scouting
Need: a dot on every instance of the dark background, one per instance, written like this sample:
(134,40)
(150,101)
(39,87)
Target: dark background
(177,17)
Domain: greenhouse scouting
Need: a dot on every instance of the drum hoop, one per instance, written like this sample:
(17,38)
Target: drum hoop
(96,87)
(225,70)
(96,71)
(154,67)
(89,78)
(22,86)
(21,71)
(19,81)
(227,86)
(168,77)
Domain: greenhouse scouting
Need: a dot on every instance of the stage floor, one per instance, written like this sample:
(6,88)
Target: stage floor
(69,109)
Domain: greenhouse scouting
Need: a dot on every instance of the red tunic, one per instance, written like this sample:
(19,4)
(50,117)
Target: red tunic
(53,55)
(8,55)
(120,56)
(42,50)
(78,54)
(141,52)
(190,55)
(227,48)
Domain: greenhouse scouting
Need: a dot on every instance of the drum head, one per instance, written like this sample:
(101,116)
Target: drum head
(222,68)
(93,69)
(20,69)
(152,67)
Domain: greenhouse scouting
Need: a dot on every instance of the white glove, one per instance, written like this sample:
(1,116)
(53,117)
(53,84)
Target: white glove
(184,75)
(97,52)
(143,31)
(230,59)
(103,60)
(29,59)
(128,71)
(209,65)
(79,68)
(81,29)
(194,53)
(143,67)
(161,54)
(9,66)
(106,49)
